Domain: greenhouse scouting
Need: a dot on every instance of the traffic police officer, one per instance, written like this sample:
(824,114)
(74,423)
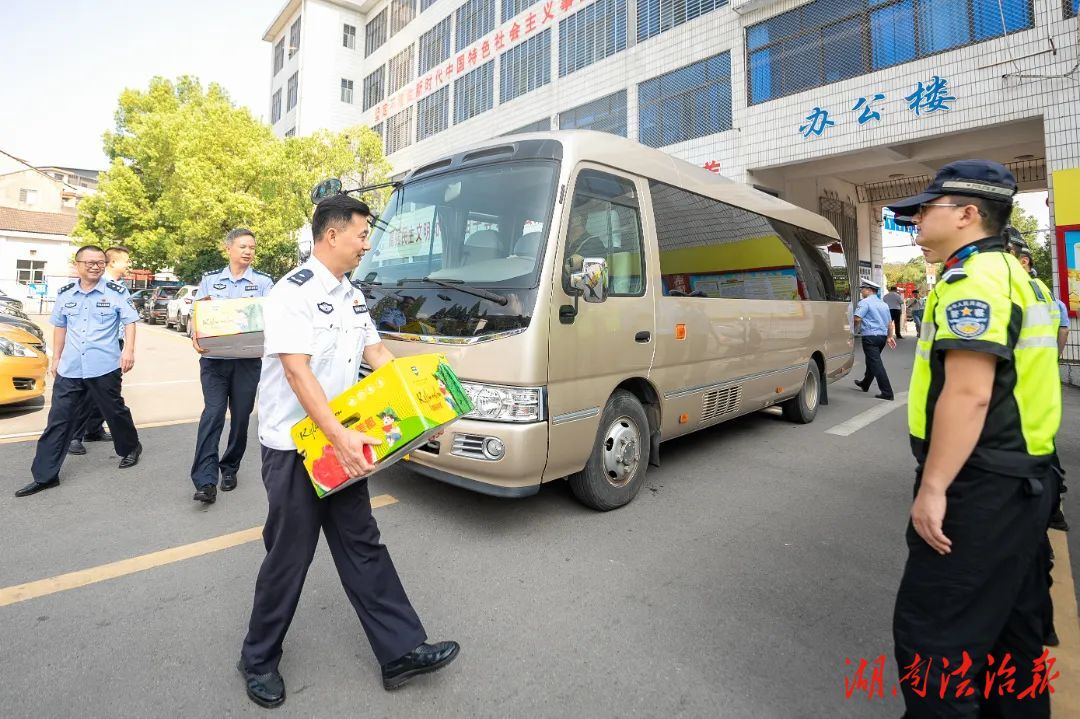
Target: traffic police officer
(226,382)
(317,330)
(984,406)
(87,360)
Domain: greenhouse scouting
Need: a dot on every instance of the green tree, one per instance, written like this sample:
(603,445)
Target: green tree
(188,166)
(1038,241)
(914,270)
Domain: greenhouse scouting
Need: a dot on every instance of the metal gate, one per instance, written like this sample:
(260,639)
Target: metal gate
(842,216)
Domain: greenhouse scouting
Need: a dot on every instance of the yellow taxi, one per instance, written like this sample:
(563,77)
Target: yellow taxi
(23,364)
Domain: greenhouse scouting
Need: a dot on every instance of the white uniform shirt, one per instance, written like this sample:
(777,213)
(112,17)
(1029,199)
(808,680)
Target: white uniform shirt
(311,312)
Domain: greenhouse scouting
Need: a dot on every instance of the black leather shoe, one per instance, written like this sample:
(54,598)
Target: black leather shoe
(132,459)
(266,690)
(35,487)
(207,493)
(425,658)
(228,482)
(101,436)
(888,397)
(863,387)
(76,447)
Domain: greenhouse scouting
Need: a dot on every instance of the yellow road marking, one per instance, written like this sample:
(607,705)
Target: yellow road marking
(33,436)
(1065,701)
(84,577)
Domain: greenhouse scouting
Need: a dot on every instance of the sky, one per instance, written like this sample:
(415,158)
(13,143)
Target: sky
(65,63)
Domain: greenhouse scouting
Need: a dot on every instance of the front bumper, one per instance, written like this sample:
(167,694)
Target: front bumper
(22,378)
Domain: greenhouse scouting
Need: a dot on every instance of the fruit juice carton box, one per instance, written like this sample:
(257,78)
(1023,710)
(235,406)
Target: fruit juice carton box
(403,403)
(229,328)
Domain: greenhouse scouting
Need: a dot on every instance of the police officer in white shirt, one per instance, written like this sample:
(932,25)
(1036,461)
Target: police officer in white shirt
(317,331)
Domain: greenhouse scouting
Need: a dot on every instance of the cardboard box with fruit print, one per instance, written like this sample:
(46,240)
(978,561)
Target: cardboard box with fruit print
(229,328)
(403,403)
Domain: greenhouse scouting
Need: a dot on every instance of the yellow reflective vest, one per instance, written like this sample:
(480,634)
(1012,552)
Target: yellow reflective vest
(989,303)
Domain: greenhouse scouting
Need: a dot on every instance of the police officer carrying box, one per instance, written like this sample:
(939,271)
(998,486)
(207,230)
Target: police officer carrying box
(226,382)
(317,330)
(87,362)
(984,406)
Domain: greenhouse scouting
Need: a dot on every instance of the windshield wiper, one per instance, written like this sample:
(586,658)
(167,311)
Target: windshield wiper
(459,285)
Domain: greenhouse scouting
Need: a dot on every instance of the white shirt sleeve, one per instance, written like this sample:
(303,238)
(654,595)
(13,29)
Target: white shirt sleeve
(288,328)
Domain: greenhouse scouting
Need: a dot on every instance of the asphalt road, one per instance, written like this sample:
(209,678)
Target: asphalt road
(757,559)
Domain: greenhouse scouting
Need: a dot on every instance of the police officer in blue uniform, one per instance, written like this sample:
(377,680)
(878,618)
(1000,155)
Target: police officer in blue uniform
(226,382)
(873,321)
(317,330)
(87,360)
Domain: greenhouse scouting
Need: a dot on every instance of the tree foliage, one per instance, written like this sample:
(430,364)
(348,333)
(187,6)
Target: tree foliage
(1038,241)
(188,166)
(914,270)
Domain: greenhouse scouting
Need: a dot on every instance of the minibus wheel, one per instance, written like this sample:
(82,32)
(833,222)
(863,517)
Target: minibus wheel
(803,407)
(616,468)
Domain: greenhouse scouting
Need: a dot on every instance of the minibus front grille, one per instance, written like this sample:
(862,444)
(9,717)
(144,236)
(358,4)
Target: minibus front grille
(720,402)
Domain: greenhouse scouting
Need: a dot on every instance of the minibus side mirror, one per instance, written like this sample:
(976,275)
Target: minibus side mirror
(590,283)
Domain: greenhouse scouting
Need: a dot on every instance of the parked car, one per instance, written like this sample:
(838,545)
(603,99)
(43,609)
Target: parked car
(138,299)
(157,304)
(23,324)
(23,364)
(178,311)
(13,311)
(10,301)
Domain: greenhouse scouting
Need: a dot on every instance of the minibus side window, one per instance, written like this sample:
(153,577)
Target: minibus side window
(605,222)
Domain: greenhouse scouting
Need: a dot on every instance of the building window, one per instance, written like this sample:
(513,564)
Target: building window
(526,67)
(1071,7)
(827,41)
(378,130)
(346,90)
(425,4)
(375,33)
(712,249)
(398,135)
(693,101)
(294,38)
(657,16)
(294,86)
(348,36)
(401,14)
(512,8)
(291,132)
(591,34)
(28,197)
(399,70)
(608,114)
(475,19)
(435,45)
(474,93)
(373,88)
(279,55)
(275,107)
(538,126)
(27,271)
(433,114)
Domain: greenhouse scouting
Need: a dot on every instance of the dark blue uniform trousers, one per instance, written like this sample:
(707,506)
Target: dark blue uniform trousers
(291,533)
(69,398)
(872,346)
(987,598)
(92,421)
(230,383)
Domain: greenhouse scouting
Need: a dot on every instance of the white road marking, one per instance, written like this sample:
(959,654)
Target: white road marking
(863,419)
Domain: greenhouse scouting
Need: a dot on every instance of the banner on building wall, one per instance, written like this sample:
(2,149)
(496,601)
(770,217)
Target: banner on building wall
(1067,219)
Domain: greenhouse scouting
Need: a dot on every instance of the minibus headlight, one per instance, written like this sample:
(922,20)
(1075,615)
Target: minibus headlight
(497,403)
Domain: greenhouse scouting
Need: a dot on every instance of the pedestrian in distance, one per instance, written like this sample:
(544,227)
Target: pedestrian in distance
(92,429)
(87,362)
(915,306)
(227,383)
(983,408)
(895,302)
(317,331)
(873,321)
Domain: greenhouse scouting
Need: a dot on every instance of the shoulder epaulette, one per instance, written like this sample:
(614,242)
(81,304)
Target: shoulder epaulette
(65,288)
(301,276)
(263,274)
(116,287)
(954,275)
(213,272)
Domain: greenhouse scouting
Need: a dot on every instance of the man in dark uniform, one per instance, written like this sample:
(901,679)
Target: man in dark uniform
(226,382)
(317,331)
(984,406)
(92,428)
(87,362)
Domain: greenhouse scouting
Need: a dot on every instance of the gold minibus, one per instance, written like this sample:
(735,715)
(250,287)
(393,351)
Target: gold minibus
(597,298)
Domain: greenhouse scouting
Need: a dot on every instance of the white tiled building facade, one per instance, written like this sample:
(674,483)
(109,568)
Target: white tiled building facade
(835,105)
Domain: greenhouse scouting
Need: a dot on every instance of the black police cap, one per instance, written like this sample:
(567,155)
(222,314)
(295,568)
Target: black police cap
(969,178)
